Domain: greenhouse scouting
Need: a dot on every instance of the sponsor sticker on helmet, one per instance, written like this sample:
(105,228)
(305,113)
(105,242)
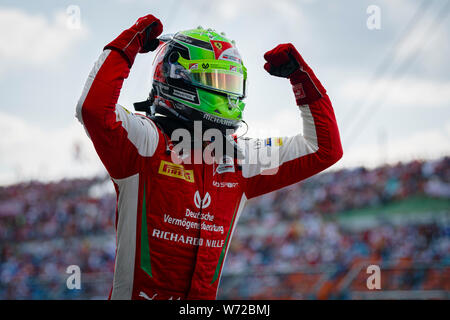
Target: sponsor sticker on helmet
(218,120)
(231,54)
(219,47)
(193,41)
(184,95)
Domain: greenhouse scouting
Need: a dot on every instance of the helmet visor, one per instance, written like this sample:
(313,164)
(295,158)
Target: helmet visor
(223,76)
(232,83)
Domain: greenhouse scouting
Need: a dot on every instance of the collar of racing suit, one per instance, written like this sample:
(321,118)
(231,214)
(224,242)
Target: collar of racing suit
(169,124)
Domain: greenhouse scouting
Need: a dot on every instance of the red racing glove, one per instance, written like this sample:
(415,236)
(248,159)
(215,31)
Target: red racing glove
(285,61)
(140,38)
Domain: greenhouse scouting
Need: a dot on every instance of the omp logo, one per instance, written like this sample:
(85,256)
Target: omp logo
(202,203)
(222,184)
(176,170)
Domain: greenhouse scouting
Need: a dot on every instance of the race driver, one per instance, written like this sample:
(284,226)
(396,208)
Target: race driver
(175,218)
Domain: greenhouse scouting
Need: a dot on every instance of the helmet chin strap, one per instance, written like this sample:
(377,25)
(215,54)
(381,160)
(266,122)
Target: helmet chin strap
(232,102)
(144,106)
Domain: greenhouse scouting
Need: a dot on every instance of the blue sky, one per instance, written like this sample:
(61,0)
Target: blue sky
(404,114)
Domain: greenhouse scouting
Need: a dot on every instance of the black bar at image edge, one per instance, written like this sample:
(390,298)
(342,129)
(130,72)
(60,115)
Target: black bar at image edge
(226,309)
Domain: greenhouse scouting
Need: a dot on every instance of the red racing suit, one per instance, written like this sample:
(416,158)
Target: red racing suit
(174,222)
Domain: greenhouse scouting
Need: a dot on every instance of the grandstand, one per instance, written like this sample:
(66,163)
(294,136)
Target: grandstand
(312,240)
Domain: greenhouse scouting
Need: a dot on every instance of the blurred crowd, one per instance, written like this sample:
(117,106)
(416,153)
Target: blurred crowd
(45,227)
(314,247)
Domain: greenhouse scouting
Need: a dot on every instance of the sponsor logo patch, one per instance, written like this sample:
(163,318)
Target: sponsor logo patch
(278,142)
(176,171)
(299,92)
(202,203)
(227,165)
(268,142)
(222,184)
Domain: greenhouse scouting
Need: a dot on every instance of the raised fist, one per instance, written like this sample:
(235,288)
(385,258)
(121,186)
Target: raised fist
(285,61)
(139,38)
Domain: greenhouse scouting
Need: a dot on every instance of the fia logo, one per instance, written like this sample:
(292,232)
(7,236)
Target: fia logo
(202,203)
